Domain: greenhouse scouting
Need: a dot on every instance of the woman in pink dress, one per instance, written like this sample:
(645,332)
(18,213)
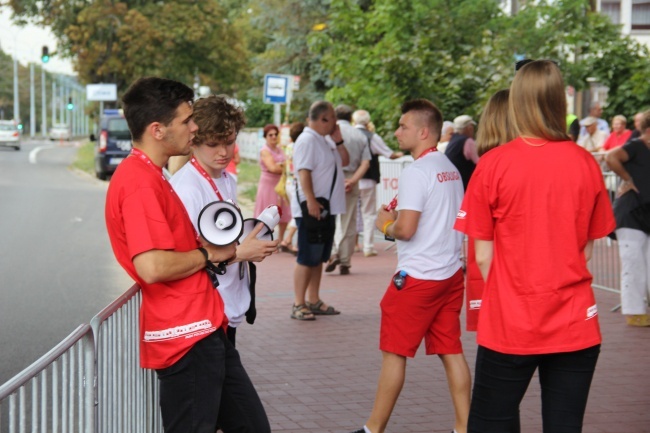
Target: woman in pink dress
(272,161)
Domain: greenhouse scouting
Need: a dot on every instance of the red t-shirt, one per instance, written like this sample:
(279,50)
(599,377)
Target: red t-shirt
(142,214)
(615,140)
(539,205)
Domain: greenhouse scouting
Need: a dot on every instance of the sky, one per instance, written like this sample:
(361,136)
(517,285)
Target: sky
(29,41)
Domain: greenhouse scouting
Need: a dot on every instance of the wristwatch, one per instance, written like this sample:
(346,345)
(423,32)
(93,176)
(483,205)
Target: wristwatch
(338,143)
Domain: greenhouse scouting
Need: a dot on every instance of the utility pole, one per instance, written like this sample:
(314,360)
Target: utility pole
(32,102)
(43,104)
(16,95)
(53,101)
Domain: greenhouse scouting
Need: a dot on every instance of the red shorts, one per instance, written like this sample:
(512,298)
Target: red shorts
(422,309)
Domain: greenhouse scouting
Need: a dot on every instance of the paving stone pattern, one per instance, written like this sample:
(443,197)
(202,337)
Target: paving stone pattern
(321,376)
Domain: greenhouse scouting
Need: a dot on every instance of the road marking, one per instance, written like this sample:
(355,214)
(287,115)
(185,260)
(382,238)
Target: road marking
(34,153)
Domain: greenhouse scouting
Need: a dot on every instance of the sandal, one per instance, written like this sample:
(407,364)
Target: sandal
(288,249)
(316,309)
(302,312)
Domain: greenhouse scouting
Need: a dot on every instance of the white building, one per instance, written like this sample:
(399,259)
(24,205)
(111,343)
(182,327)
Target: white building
(632,15)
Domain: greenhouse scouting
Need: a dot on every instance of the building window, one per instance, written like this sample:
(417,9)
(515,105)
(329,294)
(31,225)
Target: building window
(612,9)
(640,14)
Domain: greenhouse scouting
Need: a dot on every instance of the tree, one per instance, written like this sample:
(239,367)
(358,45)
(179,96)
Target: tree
(282,48)
(587,45)
(458,53)
(381,54)
(120,41)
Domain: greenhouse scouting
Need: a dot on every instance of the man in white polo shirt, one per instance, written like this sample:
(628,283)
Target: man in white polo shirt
(318,160)
(425,296)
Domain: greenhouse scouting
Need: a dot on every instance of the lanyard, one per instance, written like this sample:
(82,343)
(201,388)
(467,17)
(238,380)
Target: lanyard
(393,203)
(149,163)
(207,177)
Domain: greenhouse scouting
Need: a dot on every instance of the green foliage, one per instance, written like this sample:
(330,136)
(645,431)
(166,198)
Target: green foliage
(118,42)
(458,53)
(283,49)
(247,177)
(7,91)
(372,54)
(258,113)
(85,158)
(403,49)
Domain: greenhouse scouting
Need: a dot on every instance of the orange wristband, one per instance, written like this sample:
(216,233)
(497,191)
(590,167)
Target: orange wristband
(388,223)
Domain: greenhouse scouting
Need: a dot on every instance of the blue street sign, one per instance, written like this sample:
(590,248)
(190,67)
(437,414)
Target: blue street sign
(276,89)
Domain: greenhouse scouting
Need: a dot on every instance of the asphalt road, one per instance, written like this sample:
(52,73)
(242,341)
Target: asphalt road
(57,269)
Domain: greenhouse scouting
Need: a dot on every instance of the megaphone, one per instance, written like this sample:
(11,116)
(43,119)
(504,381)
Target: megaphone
(221,223)
(270,217)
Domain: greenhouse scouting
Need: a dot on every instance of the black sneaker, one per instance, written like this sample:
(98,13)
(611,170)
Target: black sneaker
(359,431)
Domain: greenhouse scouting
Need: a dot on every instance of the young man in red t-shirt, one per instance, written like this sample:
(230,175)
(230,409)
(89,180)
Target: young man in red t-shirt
(202,381)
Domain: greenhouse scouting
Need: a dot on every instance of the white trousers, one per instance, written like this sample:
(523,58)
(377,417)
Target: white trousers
(634,250)
(369,215)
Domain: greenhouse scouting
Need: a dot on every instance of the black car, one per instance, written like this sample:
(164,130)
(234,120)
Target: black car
(113,143)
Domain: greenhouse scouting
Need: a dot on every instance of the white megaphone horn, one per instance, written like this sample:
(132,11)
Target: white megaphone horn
(221,223)
(270,217)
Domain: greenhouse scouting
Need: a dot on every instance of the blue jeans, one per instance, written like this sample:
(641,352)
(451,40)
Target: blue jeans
(501,381)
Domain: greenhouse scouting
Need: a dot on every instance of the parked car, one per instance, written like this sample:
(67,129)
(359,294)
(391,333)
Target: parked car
(60,131)
(112,145)
(9,134)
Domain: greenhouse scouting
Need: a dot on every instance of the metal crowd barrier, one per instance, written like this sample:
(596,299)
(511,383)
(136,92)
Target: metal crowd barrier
(55,393)
(127,395)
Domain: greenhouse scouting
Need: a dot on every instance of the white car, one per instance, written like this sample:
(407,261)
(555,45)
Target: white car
(60,131)
(9,134)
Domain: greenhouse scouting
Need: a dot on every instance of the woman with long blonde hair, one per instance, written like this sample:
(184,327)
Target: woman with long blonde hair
(493,130)
(534,207)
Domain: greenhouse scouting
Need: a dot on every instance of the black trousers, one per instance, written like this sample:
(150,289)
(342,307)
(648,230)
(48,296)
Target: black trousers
(501,381)
(209,387)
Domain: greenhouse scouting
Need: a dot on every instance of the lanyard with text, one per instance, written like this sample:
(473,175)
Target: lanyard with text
(207,177)
(393,203)
(149,163)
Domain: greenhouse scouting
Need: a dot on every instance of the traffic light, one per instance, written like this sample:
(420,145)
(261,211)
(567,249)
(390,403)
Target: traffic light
(45,56)
(70,105)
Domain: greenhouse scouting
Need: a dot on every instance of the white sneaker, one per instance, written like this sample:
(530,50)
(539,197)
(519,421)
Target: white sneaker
(370,253)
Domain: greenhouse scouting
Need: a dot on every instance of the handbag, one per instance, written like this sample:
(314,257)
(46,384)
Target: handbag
(281,187)
(320,230)
(641,214)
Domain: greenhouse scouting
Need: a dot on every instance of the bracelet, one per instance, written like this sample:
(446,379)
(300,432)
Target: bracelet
(388,223)
(220,269)
(338,143)
(205,254)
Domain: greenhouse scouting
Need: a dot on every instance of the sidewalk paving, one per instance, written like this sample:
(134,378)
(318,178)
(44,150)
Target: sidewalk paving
(321,376)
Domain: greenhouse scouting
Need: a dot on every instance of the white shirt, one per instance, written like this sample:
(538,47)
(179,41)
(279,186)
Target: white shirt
(357,145)
(432,186)
(318,154)
(593,143)
(377,147)
(195,192)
